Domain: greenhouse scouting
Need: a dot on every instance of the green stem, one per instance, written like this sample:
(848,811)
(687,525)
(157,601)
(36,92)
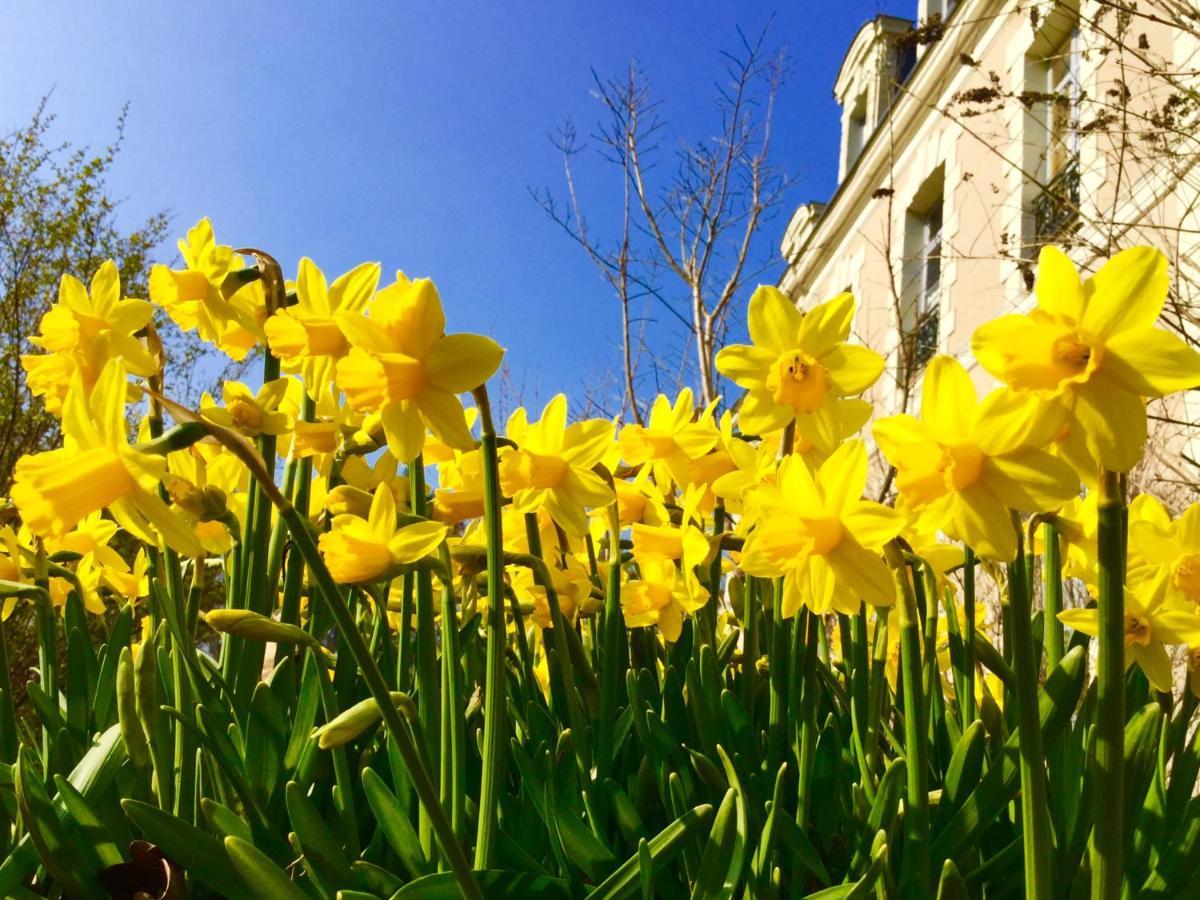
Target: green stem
(1052,594)
(914,875)
(1035,813)
(968,653)
(1108,836)
(495,711)
(613,661)
(348,632)
(751,600)
(808,724)
(778,674)
(453,757)
(428,679)
(404,651)
(257,593)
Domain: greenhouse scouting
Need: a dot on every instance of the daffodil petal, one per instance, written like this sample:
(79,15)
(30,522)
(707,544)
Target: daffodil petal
(1150,362)
(948,400)
(1059,290)
(1127,293)
(772,318)
(462,362)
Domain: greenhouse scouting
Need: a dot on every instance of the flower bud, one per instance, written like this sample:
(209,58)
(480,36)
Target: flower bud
(253,626)
(205,503)
(131,728)
(347,500)
(354,721)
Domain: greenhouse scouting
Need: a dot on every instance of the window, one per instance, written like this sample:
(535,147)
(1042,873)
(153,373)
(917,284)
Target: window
(923,273)
(929,262)
(1055,205)
(856,130)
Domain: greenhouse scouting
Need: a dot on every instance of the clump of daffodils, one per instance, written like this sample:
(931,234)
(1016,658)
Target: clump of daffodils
(381,381)
(361,485)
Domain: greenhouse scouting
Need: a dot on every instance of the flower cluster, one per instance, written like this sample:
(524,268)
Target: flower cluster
(364,390)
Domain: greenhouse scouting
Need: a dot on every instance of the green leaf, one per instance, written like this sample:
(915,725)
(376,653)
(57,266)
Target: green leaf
(394,823)
(1056,704)
(581,847)
(264,878)
(865,886)
(761,862)
(323,857)
(202,856)
(624,880)
(964,770)
(266,735)
(951,885)
(305,715)
(883,811)
(717,861)
(94,830)
(225,820)
(792,836)
(495,885)
(57,851)
(104,711)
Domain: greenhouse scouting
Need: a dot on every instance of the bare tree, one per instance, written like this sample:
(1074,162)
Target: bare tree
(686,240)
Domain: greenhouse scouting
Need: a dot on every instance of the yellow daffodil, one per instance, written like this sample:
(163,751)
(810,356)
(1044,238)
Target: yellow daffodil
(1092,347)
(194,297)
(551,465)
(459,495)
(1148,627)
(82,331)
(572,586)
(1172,554)
(756,464)
(320,438)
(11,567)
(798,365)
(659,597)
(358,550)
(819,534)
(126,583)
(358,472)
(1077,526)
(209,484)
(98,469)
(684,543)
(90,540)
(404,366)
(670,439)
(963,464)
(306,337)
(247,412)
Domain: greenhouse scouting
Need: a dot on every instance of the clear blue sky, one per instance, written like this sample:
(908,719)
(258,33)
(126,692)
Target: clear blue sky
(410,133)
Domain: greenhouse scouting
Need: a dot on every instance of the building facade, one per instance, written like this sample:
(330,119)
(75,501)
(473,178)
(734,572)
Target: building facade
(977,133)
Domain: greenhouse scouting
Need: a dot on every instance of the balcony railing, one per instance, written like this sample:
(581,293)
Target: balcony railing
(926,337)
(1056,208)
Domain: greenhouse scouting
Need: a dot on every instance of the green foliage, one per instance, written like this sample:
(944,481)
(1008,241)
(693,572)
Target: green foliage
(57,214)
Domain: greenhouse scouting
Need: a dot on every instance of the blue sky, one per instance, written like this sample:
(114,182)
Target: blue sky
(410,133)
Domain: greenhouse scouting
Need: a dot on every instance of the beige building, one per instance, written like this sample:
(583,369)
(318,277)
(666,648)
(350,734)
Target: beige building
(980,132)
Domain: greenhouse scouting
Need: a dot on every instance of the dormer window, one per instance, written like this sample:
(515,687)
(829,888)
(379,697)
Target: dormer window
(857,129)
(876,63)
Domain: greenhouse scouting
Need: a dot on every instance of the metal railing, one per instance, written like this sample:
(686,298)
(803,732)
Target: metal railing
(1056,208)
